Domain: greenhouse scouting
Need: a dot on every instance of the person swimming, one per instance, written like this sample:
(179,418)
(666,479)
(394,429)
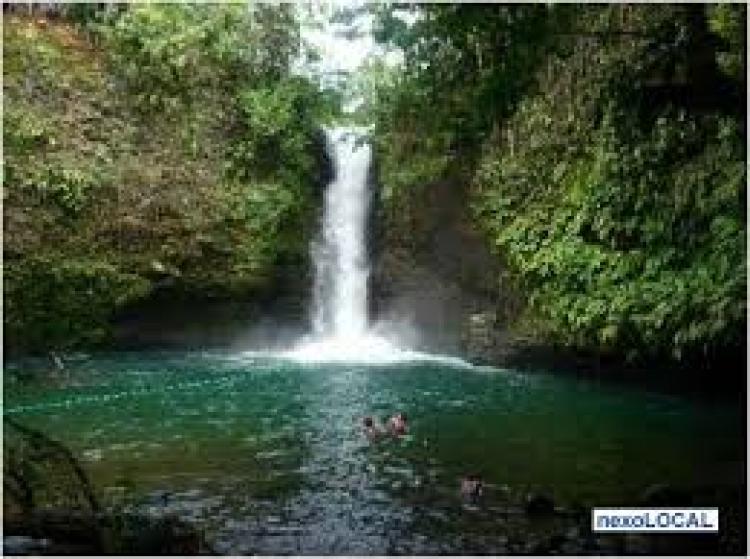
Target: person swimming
(397,424)
(472,488)
(372,431)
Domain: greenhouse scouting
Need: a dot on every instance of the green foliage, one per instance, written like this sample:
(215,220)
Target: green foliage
(168,141)
(261,225)
(729,23)
(465,67)
(633,241)
(52,179)
(63,303)
(23,130)
(40,166)
(277,124)
(644,251)
(169,53)
(606,164)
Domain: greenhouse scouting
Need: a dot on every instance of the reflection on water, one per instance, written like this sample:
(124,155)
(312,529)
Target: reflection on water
(268,456)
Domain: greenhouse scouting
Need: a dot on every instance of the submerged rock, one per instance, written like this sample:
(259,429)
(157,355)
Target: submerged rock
(479,336)
(24,545)
(63,532)
(539,505)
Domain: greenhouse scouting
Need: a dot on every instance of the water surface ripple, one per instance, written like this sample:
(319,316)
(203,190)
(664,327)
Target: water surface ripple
(267,455)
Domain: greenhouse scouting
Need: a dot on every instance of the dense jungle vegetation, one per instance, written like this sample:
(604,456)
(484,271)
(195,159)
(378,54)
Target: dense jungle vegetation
(603,148)
(152,147)
(149,147)
(541,188)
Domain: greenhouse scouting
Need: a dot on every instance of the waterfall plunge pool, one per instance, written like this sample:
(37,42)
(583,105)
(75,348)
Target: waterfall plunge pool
(266,453)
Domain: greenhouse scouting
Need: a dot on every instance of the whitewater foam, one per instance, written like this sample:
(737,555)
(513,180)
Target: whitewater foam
(366,349)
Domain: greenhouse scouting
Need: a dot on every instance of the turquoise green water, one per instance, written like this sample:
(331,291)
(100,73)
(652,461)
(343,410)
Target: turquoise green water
(268,455)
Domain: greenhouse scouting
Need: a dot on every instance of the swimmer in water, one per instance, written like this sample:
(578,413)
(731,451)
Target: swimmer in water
(372,431)
(472,488)
(397,424)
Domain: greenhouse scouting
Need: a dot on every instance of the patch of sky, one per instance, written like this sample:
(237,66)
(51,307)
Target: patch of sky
(337,40)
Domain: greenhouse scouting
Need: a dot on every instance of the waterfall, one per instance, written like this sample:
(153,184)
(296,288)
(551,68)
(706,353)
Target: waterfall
(340,253)
(341,330)
(340,325)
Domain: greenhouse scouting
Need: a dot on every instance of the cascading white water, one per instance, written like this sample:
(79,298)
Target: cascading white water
(339,254)
(340,325)
(340,329)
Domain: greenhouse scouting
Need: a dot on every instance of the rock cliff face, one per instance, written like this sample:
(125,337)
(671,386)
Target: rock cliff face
(174,319)
(435,276)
